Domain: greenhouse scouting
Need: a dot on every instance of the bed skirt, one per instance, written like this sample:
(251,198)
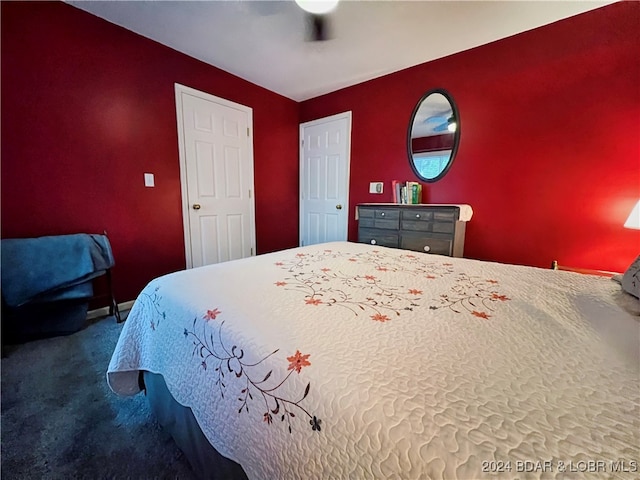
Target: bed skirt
(179,421)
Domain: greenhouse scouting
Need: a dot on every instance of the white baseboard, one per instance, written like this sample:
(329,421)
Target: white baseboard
(104,311)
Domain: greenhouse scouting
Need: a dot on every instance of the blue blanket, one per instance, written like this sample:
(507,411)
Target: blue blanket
(52,268)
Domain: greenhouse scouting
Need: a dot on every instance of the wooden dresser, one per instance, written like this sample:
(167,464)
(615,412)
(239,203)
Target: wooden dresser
(430,228)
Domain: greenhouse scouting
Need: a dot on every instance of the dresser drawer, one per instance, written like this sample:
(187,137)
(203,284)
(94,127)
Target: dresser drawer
(430,214)
(420,243)
(426,220)
(417,215)
(366,212)
(429,227)
(387,218)
(446,215)
(377,237)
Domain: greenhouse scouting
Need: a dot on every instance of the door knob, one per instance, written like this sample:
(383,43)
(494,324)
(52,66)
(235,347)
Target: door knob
(339,207)
(196,206)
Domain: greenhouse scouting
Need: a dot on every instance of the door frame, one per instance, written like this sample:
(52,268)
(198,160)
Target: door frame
(338,116)
(179,90)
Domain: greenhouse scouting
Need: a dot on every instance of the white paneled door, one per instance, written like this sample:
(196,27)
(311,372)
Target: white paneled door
(325,150)
(216,170)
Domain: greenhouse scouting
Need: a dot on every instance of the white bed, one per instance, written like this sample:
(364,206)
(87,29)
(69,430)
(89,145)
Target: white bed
(347,361)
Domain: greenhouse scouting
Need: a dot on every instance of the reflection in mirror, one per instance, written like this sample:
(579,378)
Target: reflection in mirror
(434,133)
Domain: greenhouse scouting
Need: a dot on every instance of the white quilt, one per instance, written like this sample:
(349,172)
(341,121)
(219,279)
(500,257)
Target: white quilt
(347,361)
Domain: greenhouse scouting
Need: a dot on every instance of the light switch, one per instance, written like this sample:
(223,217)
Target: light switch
(375,187)
(148,180)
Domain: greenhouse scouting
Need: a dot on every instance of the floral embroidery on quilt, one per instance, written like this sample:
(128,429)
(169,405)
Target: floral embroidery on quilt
(358,293)
(371,292)
(406,263)
(151,304)
(364,292)
(254,386)
(474,294)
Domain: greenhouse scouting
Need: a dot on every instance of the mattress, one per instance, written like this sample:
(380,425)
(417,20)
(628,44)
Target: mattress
(345,360)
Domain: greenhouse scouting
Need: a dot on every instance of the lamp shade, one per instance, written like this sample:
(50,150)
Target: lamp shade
(634,217)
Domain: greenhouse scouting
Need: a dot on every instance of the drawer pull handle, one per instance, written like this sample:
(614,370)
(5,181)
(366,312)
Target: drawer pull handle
(382,214)
(373,241)
(427,248)
(417,215)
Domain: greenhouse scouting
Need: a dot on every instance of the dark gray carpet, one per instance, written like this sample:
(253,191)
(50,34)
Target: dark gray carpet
(60,420)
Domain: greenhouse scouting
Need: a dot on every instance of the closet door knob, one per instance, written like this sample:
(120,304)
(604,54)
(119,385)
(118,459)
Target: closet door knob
(196,206)
(339,207)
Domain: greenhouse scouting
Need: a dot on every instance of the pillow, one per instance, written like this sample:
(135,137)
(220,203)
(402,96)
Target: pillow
(631,278)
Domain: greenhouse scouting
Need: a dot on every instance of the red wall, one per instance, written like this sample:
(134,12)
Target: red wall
(88,107)
(549,157)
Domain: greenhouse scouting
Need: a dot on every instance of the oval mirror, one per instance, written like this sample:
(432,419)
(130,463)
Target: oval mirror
(434,133)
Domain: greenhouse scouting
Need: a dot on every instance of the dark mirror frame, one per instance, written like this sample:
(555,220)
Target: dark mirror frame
(456,140)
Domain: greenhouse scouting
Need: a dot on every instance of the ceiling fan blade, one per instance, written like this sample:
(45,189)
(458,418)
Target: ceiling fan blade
(435,118)
(318,27)
(440,116)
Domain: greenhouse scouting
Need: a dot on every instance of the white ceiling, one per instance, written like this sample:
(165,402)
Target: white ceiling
(264,41)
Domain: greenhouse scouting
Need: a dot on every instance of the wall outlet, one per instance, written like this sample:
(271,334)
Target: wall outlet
(375,187)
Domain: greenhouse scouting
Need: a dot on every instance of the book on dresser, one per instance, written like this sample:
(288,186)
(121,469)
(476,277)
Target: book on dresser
(406,192)
(428,228)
